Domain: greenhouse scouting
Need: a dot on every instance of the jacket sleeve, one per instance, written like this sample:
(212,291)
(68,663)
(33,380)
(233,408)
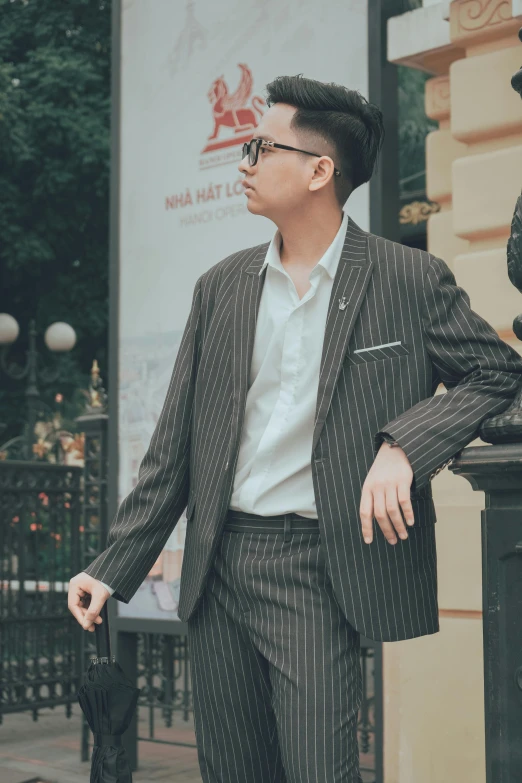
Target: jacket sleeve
(480,371)
(149,513)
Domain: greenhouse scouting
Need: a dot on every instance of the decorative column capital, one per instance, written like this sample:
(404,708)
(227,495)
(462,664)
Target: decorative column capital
(494,468)
(476,21)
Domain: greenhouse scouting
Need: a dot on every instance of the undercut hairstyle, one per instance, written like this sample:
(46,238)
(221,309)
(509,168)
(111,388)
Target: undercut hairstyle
(335,117)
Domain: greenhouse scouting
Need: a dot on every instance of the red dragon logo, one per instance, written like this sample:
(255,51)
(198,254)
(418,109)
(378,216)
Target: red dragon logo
(231,111)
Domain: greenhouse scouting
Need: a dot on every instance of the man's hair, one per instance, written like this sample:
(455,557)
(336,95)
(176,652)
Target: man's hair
(350,126)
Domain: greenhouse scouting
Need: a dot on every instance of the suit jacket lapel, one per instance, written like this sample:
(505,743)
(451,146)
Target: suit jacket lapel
(245,307)
(349,287)
(351,281)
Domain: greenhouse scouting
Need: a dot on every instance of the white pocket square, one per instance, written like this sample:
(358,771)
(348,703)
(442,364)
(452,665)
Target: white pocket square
(373,347)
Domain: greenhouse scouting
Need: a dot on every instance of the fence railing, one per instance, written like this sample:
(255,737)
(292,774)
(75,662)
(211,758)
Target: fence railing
(40,650)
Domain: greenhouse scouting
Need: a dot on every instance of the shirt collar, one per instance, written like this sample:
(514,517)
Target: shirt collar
(329,261)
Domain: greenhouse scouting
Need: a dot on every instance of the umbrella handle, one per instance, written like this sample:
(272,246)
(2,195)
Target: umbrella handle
(102,632)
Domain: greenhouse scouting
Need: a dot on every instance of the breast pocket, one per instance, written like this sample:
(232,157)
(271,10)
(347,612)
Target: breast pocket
(375,353)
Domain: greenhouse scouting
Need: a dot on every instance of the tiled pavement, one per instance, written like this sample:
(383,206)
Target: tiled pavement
(50,748)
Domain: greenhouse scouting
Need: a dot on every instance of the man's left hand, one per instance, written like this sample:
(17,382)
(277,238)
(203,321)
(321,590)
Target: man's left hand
(385,491)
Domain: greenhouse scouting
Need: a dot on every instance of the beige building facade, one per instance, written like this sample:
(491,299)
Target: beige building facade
(433,686)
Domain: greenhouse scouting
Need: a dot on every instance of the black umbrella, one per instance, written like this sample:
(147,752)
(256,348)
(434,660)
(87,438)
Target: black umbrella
(108,700)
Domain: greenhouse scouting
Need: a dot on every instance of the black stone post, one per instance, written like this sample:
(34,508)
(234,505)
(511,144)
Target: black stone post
(497,470)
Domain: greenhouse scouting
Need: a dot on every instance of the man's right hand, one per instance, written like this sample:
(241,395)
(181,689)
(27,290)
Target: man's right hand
(86,599)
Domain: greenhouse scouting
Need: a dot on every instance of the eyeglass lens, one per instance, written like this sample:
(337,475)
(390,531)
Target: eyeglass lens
(249,148)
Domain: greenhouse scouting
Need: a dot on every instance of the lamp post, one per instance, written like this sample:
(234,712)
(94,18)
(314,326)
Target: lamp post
(59,338)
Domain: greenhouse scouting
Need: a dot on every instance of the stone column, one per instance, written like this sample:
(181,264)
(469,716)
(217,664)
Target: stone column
(441,150)
(486,124)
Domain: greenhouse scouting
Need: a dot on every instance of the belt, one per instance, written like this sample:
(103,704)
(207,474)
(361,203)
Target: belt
(288,524)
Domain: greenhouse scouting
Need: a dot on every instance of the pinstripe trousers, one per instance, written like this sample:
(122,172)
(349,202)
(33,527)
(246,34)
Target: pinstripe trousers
(275,666)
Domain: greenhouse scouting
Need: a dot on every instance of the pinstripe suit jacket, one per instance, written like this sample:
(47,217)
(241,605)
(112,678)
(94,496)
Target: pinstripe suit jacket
(393,293)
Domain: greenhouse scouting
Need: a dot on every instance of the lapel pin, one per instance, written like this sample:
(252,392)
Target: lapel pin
(343,303)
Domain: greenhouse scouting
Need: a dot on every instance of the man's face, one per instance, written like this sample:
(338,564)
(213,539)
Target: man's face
(280,178)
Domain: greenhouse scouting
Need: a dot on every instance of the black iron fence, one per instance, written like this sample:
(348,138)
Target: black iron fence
(40,654)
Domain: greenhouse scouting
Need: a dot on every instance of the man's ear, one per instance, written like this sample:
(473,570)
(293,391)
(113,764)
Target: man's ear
(323,172)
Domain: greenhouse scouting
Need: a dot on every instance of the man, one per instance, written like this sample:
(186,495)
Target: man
(301,408)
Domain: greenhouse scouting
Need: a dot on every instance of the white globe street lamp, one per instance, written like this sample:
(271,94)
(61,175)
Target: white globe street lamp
(9,329)
(59,337)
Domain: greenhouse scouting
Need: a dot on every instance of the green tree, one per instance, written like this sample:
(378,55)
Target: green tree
(54,180)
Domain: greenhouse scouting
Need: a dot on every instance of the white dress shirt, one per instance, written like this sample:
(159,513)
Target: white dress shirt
(274,472)
(110,589)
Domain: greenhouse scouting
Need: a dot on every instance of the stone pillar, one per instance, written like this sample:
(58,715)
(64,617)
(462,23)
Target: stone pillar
(441,150)
(486,124)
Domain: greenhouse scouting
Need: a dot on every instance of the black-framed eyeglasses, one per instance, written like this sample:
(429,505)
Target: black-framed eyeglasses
(252,150)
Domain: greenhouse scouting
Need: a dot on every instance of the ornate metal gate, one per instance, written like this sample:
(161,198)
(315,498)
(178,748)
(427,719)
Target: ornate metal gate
(40,648)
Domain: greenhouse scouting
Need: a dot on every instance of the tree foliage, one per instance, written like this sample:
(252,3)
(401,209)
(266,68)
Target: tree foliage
(54,180)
